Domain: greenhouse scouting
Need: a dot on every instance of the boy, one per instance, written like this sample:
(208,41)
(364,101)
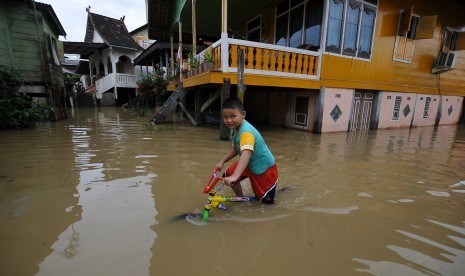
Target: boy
(255,159)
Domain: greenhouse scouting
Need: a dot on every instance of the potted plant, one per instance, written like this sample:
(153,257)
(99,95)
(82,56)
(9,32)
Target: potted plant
(208,64)
(192,62)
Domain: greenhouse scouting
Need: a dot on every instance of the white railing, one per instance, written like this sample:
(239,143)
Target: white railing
(126,80)
(114,79)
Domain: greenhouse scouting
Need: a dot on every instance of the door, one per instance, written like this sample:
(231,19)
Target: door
(362,107)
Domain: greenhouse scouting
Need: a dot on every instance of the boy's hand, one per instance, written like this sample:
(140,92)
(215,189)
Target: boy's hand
(219,166)
(230,180)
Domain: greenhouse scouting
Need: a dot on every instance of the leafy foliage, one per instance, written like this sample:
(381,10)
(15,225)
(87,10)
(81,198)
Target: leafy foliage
(16,109)
(152,84)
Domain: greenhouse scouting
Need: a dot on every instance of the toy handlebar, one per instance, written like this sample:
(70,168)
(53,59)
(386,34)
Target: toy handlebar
(212,180)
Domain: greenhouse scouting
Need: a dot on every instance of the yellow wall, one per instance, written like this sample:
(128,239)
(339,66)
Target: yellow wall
(382,73)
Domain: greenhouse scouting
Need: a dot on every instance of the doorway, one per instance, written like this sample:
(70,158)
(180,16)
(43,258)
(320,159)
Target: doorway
(362,110)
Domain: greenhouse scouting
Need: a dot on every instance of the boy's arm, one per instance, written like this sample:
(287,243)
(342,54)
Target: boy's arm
(230,155)
(241,165)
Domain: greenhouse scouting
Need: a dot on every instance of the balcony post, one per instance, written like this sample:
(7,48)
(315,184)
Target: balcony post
(224,16)
(225,93)
(224,52)
(224,36)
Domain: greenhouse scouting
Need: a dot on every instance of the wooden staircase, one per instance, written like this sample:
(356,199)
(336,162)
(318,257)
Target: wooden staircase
(85,99)
(170,104)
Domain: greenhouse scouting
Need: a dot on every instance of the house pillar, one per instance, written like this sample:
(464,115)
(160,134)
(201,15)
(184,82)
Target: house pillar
(194,30)
(224,36)
(181,64)
(167,63)
(224,16)
(90,72)
(113,66)
(225,93)
(172,56)
(198,103)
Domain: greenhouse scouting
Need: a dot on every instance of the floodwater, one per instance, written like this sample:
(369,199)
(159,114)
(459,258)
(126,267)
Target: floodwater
(103,194)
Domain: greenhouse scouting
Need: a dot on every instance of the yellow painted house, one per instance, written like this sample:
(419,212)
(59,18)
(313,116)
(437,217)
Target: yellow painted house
(322,65)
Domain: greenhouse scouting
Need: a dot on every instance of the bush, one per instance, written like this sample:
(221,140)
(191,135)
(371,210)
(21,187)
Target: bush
(16,109)
(152,84)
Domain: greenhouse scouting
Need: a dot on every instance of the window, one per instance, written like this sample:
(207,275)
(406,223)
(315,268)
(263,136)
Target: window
(395,114)
(350,29)
(254,30)
(53,50)
(313,19)
(298,23)
(453,40)
(412,27)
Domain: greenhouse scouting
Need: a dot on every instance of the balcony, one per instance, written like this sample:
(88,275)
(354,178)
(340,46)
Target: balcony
(260,60)
(114,80)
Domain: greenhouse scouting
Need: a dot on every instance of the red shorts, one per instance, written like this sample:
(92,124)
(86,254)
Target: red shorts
(263,185)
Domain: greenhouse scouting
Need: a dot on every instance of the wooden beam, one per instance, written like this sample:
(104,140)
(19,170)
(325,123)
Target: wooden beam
(187,113)
(240,75)
(210,100)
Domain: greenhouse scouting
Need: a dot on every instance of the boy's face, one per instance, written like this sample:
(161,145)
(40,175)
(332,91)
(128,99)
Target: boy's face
(232,118)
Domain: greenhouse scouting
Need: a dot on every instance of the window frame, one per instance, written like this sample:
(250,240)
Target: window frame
(290,8)
(409,37)
(452,42)
(343,29)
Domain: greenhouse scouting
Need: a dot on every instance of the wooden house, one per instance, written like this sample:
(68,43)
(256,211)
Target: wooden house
(29,41)
(325,65)
(108,53)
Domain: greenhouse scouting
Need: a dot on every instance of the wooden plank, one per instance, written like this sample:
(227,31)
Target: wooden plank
(27,55)
(240,75)
(29,29)
(210,100)
(426,26)
(187,113)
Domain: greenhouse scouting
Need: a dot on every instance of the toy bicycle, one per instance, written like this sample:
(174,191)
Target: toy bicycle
(216,201)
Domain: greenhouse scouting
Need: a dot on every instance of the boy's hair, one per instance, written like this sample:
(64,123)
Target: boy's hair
(233,103)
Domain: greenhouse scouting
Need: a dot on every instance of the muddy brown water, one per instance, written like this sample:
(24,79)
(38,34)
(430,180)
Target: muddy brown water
(102,194)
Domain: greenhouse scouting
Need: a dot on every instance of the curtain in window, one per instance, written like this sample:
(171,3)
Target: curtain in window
(281,30)
(366,32)
(336,15)
(295,34)
(351,30)
(313,21)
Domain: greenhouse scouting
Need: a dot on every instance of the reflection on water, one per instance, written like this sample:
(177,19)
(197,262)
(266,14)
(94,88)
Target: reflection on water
(100,194)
